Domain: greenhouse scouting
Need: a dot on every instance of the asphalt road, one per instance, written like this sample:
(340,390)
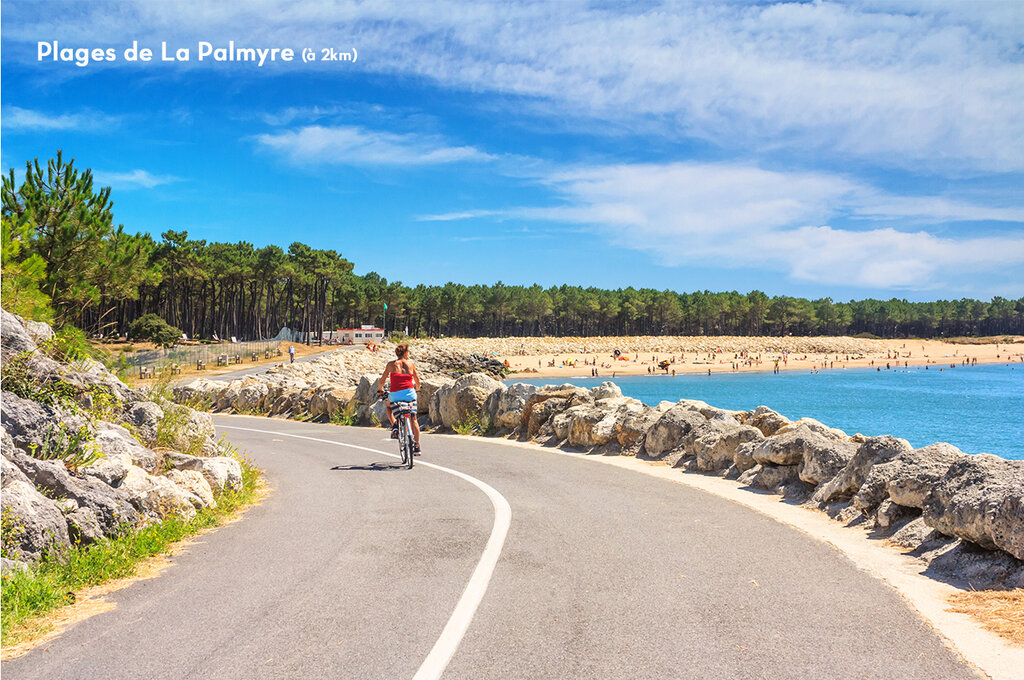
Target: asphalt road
(352,568)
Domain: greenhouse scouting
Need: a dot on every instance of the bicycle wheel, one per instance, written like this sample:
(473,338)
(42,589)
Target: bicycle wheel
(403,444)
(409,443)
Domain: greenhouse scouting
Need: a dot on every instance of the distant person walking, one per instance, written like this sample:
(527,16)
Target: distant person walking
(291,353)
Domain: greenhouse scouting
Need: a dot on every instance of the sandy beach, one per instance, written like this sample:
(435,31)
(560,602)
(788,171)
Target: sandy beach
(575,357)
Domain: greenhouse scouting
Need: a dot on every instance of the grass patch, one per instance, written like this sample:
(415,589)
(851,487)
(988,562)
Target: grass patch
(998,611)
(475,425)
(345,416)
(26,598)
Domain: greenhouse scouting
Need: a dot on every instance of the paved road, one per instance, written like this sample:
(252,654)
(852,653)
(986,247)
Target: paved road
(352,568)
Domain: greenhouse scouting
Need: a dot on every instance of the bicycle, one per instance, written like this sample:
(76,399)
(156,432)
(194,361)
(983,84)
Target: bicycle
(403,412)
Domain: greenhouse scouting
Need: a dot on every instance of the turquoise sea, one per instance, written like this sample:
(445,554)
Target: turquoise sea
(979,409)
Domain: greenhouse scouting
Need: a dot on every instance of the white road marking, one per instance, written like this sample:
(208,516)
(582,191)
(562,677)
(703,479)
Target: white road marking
(437,660)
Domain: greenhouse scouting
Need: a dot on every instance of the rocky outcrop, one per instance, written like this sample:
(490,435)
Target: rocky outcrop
(464,399)
(848,482)
(669,430)
(48,503)
(980,498)
(146,417)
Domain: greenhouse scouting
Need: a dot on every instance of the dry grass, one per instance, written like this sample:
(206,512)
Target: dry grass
(998,611)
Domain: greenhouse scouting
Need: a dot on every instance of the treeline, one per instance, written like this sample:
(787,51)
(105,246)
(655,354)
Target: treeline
(63,258)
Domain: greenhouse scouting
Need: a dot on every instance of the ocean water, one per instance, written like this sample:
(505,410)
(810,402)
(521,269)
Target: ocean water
(979,409)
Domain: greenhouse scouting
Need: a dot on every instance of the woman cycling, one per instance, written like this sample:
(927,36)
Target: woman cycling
(404,383)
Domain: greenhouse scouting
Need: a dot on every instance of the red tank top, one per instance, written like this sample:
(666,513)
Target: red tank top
(401,381)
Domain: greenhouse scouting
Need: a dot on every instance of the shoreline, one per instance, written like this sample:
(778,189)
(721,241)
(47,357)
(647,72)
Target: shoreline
(751,357)
(542,375)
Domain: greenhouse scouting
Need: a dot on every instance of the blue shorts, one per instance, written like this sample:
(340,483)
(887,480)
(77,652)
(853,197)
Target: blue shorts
(402,395)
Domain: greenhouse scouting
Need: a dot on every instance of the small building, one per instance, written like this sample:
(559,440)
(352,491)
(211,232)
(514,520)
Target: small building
(359,336)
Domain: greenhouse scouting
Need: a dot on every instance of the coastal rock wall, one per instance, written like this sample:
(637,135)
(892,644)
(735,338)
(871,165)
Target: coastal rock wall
(85,456)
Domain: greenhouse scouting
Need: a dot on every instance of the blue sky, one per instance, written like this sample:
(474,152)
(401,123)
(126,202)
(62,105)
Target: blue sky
(813,149)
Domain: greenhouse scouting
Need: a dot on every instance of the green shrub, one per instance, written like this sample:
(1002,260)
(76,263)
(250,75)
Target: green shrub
(151,327)
(16,377)
(67,345)
(77,447)
(346,416)
(475,425)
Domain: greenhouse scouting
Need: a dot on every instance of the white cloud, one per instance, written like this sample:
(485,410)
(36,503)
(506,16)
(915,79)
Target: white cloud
(464,215)
(352,145)
(925,84)
(132,180)
(741,216)
(16,119)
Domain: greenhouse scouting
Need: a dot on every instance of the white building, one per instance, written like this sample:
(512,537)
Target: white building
(356,336)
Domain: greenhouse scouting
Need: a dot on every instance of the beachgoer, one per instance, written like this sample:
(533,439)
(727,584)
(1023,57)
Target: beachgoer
(404,383)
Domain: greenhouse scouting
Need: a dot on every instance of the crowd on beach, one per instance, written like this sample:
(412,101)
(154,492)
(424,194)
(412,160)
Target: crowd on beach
(660,355)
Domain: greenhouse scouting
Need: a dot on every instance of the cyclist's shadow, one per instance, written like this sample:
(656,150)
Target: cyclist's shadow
(378,467)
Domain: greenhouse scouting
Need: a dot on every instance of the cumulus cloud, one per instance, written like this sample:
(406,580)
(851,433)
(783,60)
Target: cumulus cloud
(743,216)
(132,180)
(926,85)
(353,145)
(16,119)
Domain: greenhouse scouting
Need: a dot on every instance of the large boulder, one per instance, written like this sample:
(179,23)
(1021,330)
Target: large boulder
(743,459)
(715,443)
(83,525)
(221,472)
(767,420)
(543,412)
(92,373)
(820,457)
(606,390)
(511,403)
(598,424)
(15,337)
(824,457)
(770,477)
(251,394)
(33,523)
(465,398)
(110,469)
(114,440)
(815,426)
(981,499)
(669,430)
(157,497)
(908,478)
(193,482)
(200,391)
(873,451)
(227,397)
(328,400)
(112,506)
(145,417)
(560,421)
(631,428)
(428,388)
(570,394)
(29,422)
(366,390)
